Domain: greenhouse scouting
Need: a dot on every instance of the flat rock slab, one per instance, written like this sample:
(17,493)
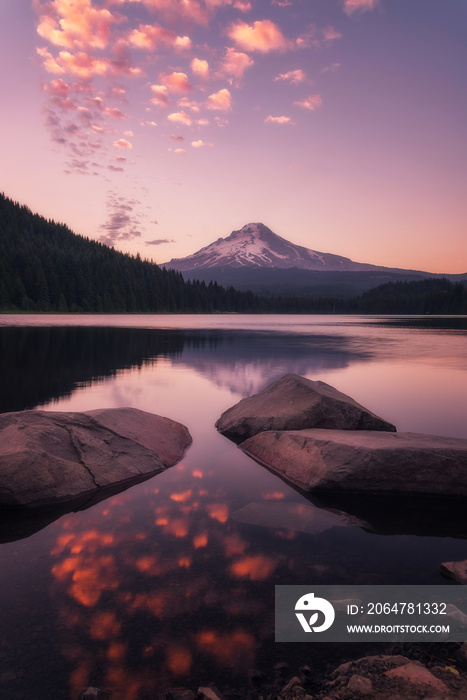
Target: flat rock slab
(364,461)
(296,403)
(48,457)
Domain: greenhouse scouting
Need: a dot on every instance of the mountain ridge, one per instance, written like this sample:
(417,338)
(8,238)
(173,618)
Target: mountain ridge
(257,246)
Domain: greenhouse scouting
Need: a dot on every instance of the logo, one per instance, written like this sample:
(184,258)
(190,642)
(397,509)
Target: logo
(308,603)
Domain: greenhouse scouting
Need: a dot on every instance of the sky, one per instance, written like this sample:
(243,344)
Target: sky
(159,126)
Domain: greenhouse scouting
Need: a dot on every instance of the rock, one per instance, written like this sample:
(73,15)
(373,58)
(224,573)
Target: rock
(49,458)
(291,684)
(296,403)
(361,461)
(209,693)
(360,684)
(416,674)
(299,517)
(456,570)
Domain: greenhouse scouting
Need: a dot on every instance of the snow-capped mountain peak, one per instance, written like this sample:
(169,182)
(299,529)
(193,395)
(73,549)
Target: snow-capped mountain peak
(255,245)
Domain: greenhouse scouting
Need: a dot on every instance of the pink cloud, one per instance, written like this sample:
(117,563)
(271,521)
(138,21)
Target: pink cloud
(122,143)
(176,82)
(311,102)
(189,104)
(200,143)
(221,101)
(278,120)
(262,35)
(282,3)
(243,6)
(330,34)
(293,76)
(200,68)
(160,95)
(49,63)
(151,36)
(351,6)
(57,87)
(331,69)
(235,63)
(178,151)
(180,118)
(76,24)
(181,9)
(115,113)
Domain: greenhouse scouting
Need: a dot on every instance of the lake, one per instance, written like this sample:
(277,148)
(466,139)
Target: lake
(171,582)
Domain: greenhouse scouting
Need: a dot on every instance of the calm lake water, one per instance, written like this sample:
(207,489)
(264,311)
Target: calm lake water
(171,582)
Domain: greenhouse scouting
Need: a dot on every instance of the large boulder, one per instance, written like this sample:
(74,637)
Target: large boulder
(295,403)
(48,457)
(362,461)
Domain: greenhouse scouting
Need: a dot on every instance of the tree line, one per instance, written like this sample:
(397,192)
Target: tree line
(45,267)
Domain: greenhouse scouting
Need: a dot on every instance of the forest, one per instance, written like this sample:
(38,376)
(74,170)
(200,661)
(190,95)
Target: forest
(45,267)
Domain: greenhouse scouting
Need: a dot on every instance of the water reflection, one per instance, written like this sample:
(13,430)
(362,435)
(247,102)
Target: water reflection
(40,364)
(143,607)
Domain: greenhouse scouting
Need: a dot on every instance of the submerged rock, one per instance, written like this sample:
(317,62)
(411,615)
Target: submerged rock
(296,517)
(48,457)
(364,461)
(296,403)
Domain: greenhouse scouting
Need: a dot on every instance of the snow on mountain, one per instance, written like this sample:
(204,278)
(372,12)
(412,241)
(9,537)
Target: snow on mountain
(255,245)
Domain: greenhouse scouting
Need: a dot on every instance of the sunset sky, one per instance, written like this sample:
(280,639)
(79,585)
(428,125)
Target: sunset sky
(158,126)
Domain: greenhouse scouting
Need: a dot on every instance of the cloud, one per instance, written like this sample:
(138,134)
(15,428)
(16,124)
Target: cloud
(331,69)
(282,3)
(221,101)
(57,87)
(178,151)
(262,35)
(330,34)
(177,82)
(293,76)
(200,68)
(180,118)
(160,241)
(200,144)
(351,6)
(160,95)
(115,113)
(152,36)
(123,223)
(189,104)
(177,137)
(235,63)
(278,120)
(49,63)
(243,6)
(122,143)
(76,24)
(311,102)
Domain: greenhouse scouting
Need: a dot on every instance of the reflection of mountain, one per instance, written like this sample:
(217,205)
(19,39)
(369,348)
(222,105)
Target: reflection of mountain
(245,362)
(39,364)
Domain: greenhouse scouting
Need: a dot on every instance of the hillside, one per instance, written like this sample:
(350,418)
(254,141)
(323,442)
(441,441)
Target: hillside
(46,267)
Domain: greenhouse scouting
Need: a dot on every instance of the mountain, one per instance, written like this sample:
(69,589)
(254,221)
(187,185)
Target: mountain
(256,259)
(256,246)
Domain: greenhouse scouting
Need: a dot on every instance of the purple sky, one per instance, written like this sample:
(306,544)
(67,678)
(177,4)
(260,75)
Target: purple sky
(158,126)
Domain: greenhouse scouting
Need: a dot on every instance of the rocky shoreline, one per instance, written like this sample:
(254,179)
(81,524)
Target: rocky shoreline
(408,672)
